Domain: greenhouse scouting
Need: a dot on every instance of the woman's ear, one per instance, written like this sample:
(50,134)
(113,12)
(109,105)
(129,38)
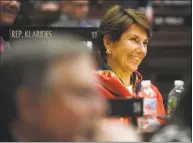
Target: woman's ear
(107,43)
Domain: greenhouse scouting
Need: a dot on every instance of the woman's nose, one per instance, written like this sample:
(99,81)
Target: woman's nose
(142,48)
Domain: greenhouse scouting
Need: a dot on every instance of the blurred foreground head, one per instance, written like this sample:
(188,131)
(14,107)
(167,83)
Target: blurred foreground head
(47,91)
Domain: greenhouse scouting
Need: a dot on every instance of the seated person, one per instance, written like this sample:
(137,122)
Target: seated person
(123,41)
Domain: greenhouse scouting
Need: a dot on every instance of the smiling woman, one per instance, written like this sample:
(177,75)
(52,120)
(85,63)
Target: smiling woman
(123,38)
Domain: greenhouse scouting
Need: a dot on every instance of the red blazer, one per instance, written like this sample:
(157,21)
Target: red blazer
(112,88)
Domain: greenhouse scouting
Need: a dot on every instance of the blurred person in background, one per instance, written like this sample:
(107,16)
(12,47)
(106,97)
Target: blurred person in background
(43,97)
(50,6)
(8,11)
(145,6)
(123,37)
(28,12)
(73,14)
(44,12)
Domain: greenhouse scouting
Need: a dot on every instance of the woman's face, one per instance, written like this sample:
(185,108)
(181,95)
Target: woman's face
(130,50)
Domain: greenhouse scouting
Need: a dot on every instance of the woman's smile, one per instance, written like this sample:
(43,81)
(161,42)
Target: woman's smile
(137,59)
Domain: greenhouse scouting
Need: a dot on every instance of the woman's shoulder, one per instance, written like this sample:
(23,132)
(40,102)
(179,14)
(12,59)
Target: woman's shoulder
(156,90)
(105,74)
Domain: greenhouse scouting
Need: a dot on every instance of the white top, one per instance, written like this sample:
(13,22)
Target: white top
(146,83)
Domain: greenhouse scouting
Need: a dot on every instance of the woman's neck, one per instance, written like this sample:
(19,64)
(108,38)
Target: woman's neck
(123,75)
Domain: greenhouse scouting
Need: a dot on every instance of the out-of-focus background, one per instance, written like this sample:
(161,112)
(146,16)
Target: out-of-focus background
(169,51)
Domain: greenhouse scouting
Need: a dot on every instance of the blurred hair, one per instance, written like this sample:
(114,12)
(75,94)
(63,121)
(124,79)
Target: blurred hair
(115,22)
(31,14)
(26,63)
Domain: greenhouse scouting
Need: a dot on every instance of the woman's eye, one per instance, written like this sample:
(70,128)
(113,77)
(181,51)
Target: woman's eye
(133,39)
(145,44)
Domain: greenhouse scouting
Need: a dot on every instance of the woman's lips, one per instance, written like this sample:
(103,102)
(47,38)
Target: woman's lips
(135,58)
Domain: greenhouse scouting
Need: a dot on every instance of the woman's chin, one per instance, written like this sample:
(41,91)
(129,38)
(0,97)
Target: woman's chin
(132,68)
